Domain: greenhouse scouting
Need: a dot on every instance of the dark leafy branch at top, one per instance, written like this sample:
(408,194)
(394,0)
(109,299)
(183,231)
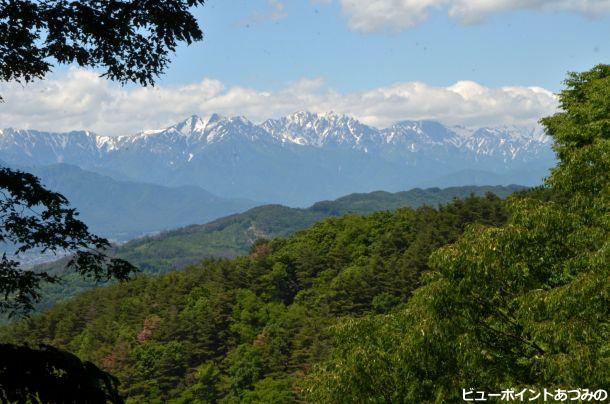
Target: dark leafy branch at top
(130,39)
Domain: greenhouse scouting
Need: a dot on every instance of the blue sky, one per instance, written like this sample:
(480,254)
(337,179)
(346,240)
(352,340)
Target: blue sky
(247,45)
(467,62)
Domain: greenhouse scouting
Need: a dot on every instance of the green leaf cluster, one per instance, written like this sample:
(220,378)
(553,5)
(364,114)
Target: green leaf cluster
(526,305)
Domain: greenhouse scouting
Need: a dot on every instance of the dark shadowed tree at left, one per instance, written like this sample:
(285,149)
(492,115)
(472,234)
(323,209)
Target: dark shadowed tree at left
(129,41)
(32,217)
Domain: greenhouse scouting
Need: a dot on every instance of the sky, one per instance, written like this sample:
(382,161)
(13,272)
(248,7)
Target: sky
(468,62)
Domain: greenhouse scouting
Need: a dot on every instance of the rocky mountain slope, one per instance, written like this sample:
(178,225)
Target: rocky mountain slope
(296,159)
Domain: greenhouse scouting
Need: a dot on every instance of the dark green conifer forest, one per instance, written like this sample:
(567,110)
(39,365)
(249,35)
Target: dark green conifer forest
(249,329)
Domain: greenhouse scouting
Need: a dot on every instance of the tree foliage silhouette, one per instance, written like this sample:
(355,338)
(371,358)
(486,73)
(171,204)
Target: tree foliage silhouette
(130,41)
(32,217)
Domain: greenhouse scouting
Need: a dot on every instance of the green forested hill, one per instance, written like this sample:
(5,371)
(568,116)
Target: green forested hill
(249,328)
(233,235)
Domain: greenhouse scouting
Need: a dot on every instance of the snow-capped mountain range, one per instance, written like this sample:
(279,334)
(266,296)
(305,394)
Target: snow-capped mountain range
(296,159)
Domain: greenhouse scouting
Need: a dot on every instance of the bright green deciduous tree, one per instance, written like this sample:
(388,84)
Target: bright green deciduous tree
(526,305)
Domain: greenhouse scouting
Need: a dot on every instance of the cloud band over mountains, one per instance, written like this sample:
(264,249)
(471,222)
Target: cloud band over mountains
(79,99)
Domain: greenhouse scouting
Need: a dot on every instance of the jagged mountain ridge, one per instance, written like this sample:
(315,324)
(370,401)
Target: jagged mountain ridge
(296,159)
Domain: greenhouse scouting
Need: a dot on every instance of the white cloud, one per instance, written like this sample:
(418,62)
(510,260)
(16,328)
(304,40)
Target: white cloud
(387,15)
(276,11)
(79,99)
(399,15)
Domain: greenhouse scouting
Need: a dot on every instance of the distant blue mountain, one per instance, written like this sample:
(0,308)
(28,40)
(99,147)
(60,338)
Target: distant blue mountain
(122,210)
(297,159)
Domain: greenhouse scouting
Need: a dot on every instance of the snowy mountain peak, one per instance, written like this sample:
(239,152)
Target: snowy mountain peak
(184,141)
(300,157)
(240,120)
(215,118)
(192,124)
(320,130)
